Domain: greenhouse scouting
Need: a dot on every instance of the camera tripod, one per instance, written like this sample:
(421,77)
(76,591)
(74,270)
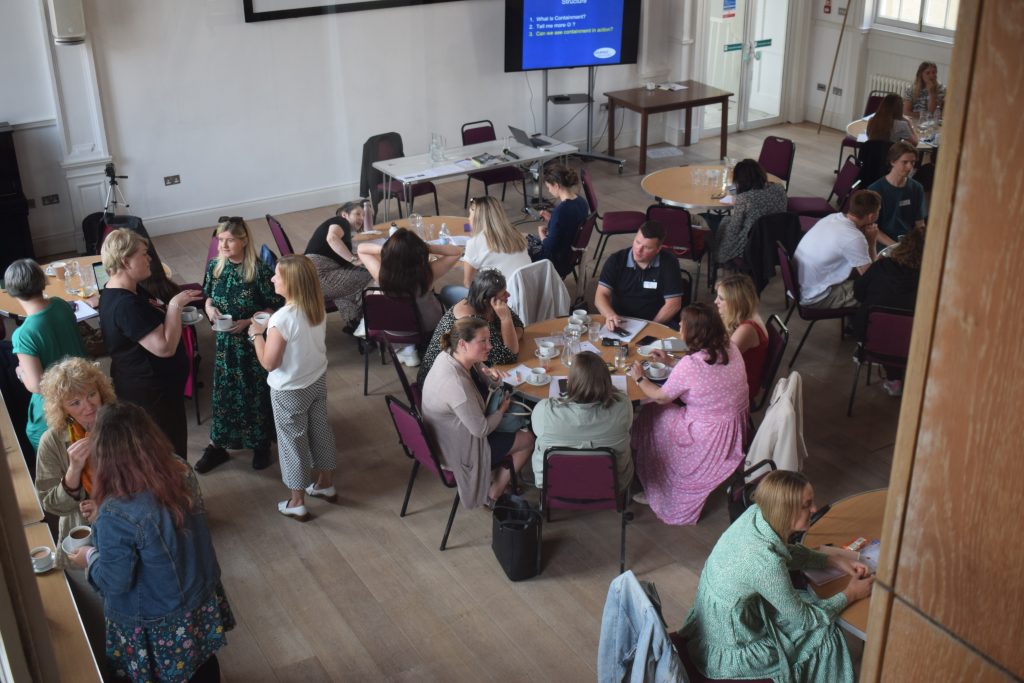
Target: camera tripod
(113,191)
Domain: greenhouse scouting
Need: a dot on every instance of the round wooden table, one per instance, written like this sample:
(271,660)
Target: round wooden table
(683,186)
(11,307)
(859,129)
(855,516)
(431,226)
(554,327)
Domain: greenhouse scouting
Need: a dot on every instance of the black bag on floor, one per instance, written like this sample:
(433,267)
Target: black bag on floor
(517,537)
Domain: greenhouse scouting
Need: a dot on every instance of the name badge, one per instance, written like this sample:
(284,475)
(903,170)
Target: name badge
(904,202)
(650,284)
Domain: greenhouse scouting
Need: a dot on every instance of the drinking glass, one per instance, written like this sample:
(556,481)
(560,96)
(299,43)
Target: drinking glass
(594,332)
(619,359)
(73,278)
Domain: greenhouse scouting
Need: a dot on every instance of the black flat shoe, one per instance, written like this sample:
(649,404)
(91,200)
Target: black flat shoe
(212,457)
(261,458)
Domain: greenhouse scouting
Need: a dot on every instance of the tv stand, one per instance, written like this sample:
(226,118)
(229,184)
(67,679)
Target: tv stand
(579,98)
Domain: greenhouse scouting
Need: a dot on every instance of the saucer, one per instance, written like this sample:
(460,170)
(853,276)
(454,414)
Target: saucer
(547,380)
(647,374)
(191,321)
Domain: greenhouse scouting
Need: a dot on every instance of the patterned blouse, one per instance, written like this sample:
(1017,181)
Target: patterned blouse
(920,105)
(499,355)
(750,207)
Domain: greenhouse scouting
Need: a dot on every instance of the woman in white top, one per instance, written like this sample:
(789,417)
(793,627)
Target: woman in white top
(295,354)
(495,243)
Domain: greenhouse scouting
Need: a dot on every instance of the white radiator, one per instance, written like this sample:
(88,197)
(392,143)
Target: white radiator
(888,84)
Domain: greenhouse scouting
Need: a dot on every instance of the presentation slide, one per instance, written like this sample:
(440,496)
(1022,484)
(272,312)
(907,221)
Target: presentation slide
(568,32)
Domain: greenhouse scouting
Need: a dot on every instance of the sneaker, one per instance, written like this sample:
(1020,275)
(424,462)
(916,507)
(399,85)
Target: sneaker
(639,497)
(893,387)
(261,458)
(298,513)
(212,457)
(330,494)
(409,356)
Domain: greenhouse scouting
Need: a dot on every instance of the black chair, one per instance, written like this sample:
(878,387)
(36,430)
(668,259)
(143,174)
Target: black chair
(886,342)
(474,133)
(777,156)
(371,181)
(874,161)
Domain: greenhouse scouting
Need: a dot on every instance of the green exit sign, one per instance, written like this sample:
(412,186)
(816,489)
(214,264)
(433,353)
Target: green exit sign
(733,47)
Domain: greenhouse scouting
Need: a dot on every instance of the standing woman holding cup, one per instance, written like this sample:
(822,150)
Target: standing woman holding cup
(295,354)
(238,284)
(148,362)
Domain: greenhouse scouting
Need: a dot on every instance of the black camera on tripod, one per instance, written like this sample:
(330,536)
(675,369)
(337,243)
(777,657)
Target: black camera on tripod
(111,173)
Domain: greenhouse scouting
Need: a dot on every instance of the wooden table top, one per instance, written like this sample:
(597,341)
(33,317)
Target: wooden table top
(859,515)
(694,94)
(431,225)
(678,186)
(24,489)
(54,288)
(528,347)
(71,649)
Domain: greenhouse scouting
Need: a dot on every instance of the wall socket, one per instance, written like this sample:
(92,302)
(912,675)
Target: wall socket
(172,180)
(821,87)
(842,11)
(838,92)
(51,199)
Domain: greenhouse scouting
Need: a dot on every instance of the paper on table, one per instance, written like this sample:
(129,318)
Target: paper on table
(587,346)
(83,311)
(727,199)
(619,382)
(631,325)
(671,86)
(517,375)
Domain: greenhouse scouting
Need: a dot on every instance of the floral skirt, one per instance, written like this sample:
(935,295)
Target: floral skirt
(171,650)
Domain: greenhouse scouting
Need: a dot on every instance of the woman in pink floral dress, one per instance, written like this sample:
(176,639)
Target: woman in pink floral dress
(684,452)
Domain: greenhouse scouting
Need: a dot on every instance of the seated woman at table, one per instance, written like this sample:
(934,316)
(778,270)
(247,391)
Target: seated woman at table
(926,94)
(891,282)
(47,334)
(454,412)
(403,268)
(153,562)
(684,452)
(238,284)
(148,362)
(593,414)
(487,299)
(888,122)
(747,620)
(495,243)
(554,239)
(342,277)
(755,198)
(737,301)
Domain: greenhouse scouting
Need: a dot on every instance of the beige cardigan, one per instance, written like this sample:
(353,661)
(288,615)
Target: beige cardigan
(453,411)
(52,462)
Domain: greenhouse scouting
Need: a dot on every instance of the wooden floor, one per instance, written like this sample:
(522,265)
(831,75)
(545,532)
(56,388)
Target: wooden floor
(360,594)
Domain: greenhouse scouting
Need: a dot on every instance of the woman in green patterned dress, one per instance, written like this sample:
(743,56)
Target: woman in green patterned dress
(238,284)
(747,619)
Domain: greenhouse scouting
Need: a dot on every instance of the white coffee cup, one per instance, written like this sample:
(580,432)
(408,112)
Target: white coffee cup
(59,268)
(261,318)
(576,320)
(189,314)
(537,376)
(78,536)
(224,323)
(42,558)
(650,85)
(657,370)
(580,313)
(546,349)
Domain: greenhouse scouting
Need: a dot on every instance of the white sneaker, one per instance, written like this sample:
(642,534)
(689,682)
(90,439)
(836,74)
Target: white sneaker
(360,330)
(409,356)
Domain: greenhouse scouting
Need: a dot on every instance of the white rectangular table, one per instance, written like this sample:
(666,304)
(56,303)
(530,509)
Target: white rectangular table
(410,170)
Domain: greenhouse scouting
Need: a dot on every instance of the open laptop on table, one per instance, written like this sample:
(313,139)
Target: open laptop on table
(537,141)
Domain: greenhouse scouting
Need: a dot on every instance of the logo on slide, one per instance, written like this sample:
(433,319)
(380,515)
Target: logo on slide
(604,52)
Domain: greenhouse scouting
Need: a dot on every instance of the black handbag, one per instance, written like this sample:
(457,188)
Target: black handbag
(517,536)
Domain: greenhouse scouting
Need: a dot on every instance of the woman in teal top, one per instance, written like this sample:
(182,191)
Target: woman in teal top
(48,334)
(747,619)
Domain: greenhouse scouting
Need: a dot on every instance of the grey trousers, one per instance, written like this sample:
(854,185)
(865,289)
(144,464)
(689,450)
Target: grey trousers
(305,441)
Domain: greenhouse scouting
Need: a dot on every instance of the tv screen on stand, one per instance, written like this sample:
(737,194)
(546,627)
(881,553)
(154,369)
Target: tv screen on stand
(562,34)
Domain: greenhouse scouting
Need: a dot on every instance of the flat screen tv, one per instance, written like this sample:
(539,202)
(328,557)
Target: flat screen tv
(561,34)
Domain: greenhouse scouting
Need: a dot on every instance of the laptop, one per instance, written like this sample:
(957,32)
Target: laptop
(530,141)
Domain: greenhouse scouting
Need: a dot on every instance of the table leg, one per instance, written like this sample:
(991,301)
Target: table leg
(407,189)
(611,127)
(643,143)
(689,127)
(725,126)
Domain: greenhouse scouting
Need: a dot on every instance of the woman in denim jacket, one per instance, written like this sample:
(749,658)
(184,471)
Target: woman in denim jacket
(153,562)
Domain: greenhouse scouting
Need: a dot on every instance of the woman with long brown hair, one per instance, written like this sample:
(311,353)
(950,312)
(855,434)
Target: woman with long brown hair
(295,354)
(153,560)
(736,299)
(888,122)
(684,452)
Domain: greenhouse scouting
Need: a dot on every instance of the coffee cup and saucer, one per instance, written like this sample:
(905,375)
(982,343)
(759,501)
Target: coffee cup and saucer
(581,315)
(655,371)
(78,537)
(538,377)
(190,315)
(223,323)
(42,559)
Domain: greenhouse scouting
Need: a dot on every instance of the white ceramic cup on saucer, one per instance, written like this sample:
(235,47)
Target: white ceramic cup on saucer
(261,318)
(580,313)
(189,314)
(224,323)
(657,370)
(546,349)
(537,377)
(78,536)
(42,559)
(577,320)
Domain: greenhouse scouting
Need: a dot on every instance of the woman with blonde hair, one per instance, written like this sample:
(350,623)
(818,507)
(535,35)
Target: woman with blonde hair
(888,122)
(495,243)
(926,94)
(148,363)
(237,284)
(294,352)
(747,620)
(737,301)
(593,414)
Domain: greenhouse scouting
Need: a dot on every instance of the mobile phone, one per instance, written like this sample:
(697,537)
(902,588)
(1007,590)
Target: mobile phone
(649,339)
(563,387)
(608,341)
(621,332)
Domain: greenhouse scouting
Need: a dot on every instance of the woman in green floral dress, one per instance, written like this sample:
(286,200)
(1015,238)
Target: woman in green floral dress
(748,621)
(238,284)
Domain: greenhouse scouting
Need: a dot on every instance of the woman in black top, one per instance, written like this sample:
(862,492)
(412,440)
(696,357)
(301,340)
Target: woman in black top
(341,275)
(149,365)
(554,239)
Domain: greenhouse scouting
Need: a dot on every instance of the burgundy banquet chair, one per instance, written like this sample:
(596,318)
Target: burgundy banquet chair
(476,132)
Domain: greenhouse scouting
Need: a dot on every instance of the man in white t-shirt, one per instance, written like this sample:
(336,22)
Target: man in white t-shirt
(836,247)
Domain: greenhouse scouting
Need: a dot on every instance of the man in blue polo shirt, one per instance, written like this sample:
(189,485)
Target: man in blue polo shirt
(902,197)
(641,282)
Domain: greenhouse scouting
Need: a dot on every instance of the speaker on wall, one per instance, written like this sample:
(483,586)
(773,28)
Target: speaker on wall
(67,21)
